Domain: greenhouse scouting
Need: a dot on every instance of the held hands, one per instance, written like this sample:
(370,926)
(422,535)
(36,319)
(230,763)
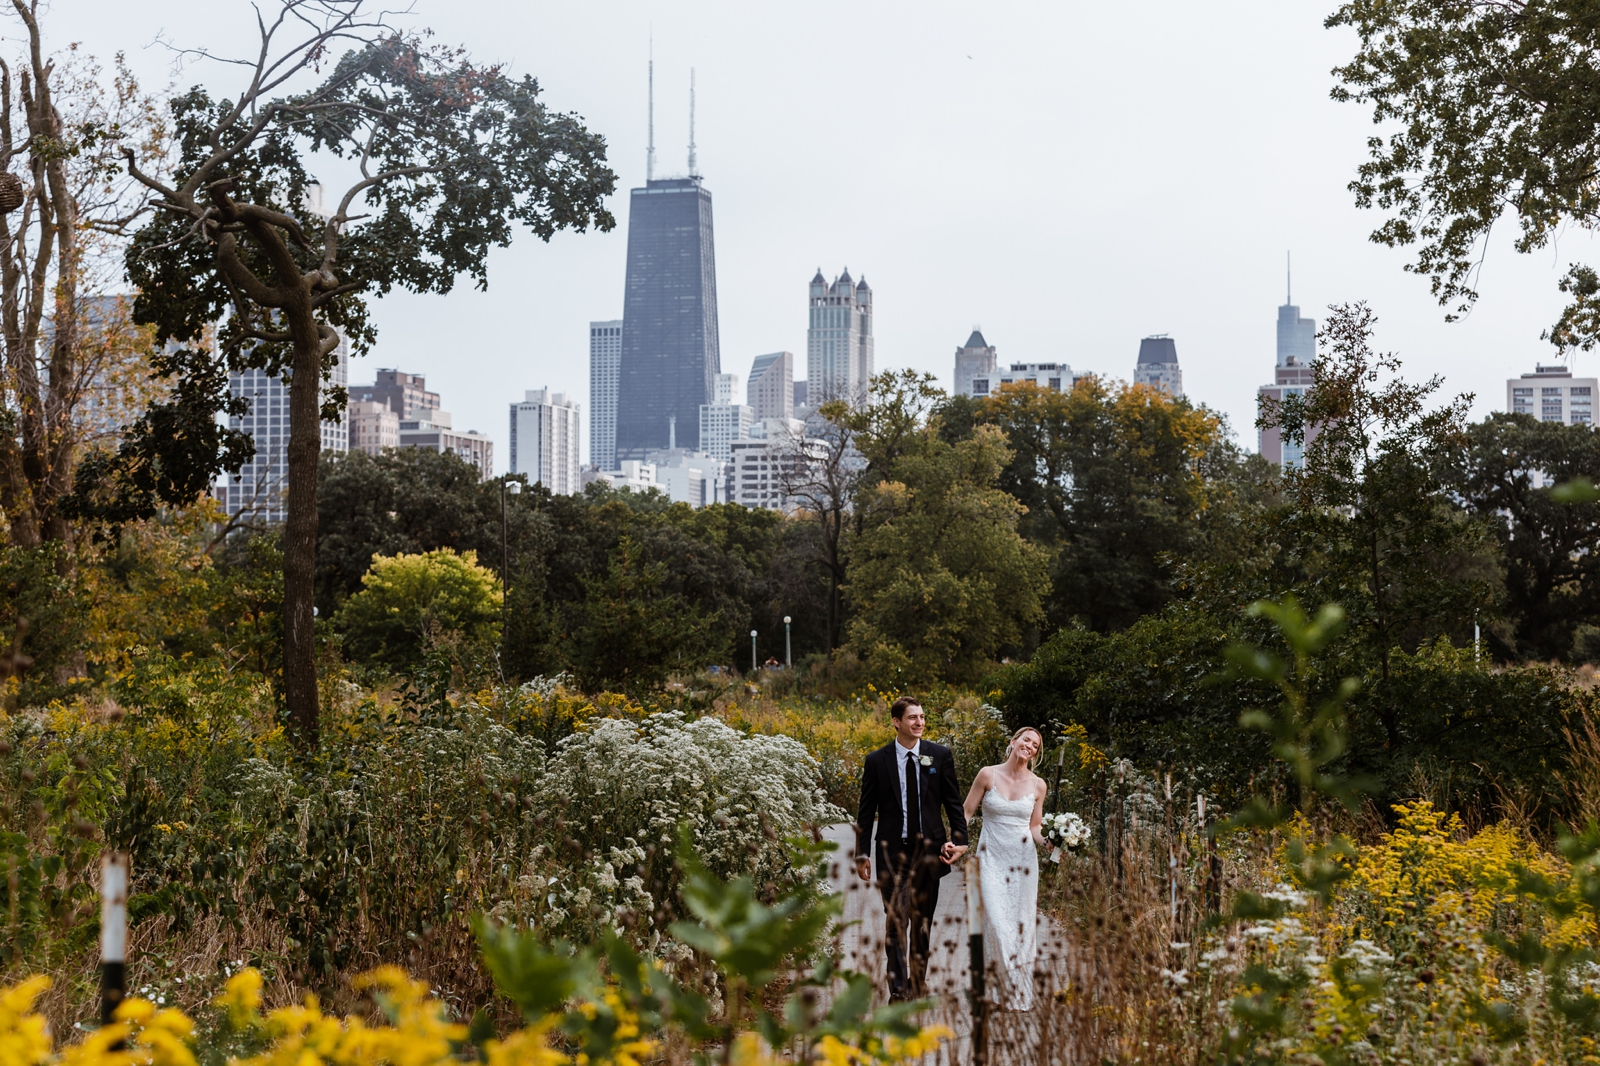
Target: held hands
(951,854)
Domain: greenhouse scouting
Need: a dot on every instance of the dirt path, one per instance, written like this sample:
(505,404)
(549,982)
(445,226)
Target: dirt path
(1014,1038)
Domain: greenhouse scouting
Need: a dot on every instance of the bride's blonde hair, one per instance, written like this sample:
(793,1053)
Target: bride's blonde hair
(1013,743)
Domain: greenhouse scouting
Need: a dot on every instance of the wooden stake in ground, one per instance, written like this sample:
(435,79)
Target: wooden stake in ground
(980,1006)
(113,933)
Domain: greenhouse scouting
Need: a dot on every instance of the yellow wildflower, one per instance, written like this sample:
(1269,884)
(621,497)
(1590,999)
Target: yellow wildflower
(241,997)
(527,1047)
(24,1040)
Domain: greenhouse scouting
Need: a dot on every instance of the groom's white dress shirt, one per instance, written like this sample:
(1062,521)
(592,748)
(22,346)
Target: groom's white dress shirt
(901,754)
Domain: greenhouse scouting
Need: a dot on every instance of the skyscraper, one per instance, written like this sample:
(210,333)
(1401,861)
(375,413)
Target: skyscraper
(839,354)
(975,362)
(1158,365)
(260,484)
(771,391)
(544,440)
(1297,353)
(605,364)
(724,420)
(670,350)
(1297,337)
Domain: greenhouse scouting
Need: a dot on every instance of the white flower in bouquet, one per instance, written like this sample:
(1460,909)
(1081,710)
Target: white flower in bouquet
(1066,831)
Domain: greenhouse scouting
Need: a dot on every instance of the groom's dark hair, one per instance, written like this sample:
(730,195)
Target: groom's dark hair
(898,710)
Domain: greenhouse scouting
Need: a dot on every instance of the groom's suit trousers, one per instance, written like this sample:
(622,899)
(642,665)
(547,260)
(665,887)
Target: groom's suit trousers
(908,877)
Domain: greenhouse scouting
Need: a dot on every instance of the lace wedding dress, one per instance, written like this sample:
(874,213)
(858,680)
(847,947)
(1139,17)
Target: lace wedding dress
(1008,864)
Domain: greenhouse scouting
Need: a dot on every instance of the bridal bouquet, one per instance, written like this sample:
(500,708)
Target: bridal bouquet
(1066,831)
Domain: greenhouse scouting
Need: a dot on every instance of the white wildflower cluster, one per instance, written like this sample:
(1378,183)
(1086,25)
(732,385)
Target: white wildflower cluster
(544,687)
(1066,831)
(259,786)
(622,788)
(1283,944)
(1366,955)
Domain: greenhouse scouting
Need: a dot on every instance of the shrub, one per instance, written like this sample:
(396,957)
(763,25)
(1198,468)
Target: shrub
(1152,694)
(615,796)
(408,602)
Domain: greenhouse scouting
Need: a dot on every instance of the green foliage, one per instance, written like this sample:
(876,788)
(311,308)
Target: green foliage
(172,452)
(1306,737)
(1147,694)
(735,569)
(939,577)
(769,956)
(631,632)
(1549,545)
(1114,478)
(1487,107)
(410,602)
(1374,521)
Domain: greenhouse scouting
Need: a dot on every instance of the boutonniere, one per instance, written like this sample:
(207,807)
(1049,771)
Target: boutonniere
(926,760)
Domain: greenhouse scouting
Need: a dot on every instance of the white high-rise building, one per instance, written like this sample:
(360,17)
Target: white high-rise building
(722,422)
(1552,394)
(771,393)
(1057,377)
(261,483)
(761,470)
(839,346)
(605,379)
(544,440)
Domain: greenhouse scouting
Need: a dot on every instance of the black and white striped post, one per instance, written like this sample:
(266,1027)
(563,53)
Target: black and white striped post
(980,1002)
(113,933)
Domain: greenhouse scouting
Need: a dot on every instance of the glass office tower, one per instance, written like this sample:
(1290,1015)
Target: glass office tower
(670,353)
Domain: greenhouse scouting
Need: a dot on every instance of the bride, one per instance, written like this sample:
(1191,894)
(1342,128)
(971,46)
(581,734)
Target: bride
(1012,799)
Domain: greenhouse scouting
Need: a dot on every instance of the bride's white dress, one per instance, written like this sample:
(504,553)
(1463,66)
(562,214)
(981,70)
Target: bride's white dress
(1008,865)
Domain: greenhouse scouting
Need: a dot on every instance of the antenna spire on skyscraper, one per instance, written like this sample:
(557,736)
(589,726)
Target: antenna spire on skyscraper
(1288,280)
(650,151)
(694,171)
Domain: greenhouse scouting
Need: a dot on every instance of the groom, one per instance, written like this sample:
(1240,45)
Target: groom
(904,786)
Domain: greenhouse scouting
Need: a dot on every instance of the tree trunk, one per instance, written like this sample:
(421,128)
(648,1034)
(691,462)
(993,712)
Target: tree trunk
(300,529)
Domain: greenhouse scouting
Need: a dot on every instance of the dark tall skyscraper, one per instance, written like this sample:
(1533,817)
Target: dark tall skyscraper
(670,352)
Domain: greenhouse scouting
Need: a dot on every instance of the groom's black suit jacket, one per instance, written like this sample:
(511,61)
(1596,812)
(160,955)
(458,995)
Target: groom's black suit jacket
(881,785)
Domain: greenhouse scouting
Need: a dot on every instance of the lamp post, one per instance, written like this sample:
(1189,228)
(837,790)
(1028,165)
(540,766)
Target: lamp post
(753,666)
(788,655)
(515,489)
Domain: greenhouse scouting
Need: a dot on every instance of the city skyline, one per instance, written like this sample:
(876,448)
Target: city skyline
(1062,262)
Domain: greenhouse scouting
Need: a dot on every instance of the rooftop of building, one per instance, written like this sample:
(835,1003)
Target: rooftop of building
(670,185)
(1158,349)
(976,340)
(1550,372)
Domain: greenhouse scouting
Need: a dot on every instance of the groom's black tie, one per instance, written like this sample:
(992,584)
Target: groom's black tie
(913,800)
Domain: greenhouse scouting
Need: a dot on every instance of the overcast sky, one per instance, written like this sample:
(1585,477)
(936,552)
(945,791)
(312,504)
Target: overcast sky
(1070,176)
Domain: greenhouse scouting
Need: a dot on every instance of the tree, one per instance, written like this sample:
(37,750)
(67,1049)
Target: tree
(940,580)
(409,602)
(1372,511)
(630,631)
(411,500)
(445,156)
(818,476)
(1497,104)
(1550,550)
(68,129)
(1113,478)
(824,473)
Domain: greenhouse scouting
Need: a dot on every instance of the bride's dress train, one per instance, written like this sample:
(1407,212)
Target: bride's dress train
(1008,864)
